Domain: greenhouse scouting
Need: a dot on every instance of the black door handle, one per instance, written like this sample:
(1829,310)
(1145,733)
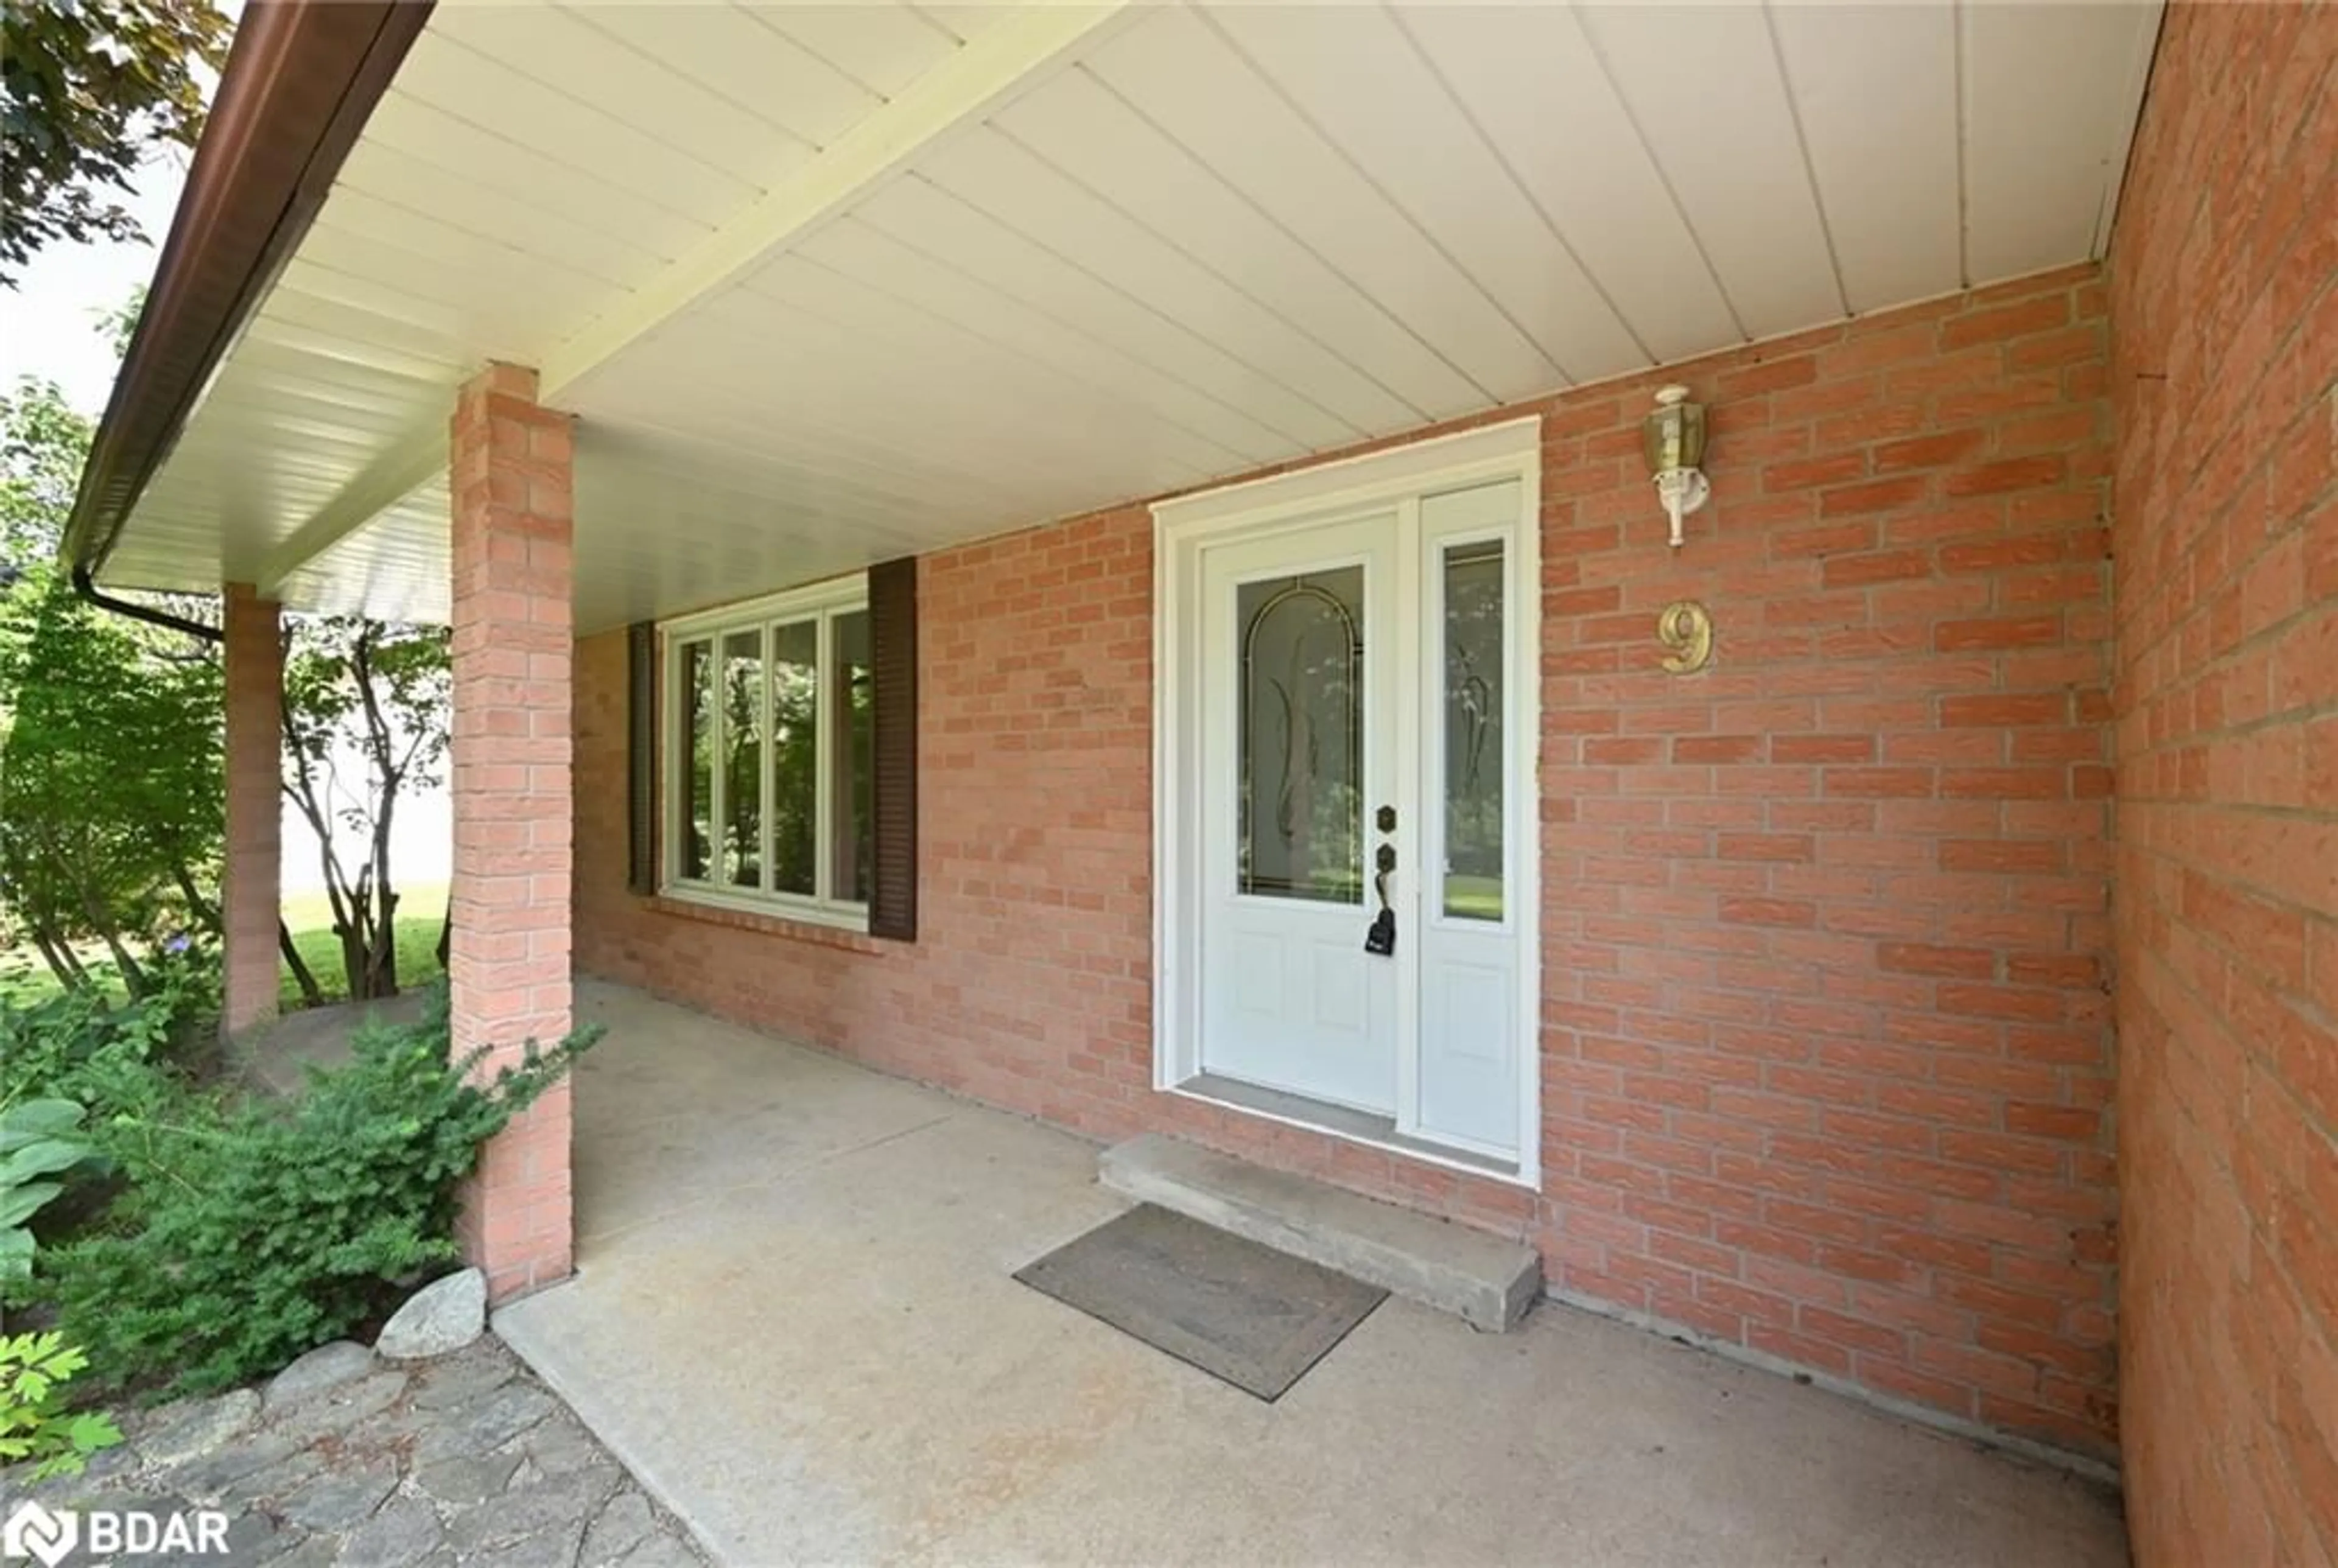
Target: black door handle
(1381,940)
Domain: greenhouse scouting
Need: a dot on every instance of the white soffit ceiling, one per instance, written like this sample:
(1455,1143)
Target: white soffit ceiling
(830,283)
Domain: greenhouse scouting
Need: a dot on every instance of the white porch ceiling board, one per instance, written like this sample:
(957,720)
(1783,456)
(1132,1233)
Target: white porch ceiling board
(1246,128)
(664,482)
(1875,89)
(963,22)
(747,70)
(398,570)
(856,251)
(805,452)
(1107,440)
(1082,130)
(409,355)
(882,48)
(803,341)
(2064,77)
(299,304)
(663,516)
(497,321)
(582,121)
(323,438)
(1419,147)
(363,412)
(366,399)
(695,490)
(677,464)
(448,145)
(1703,87)
(593,243)
(893,414)
(1533,86)
(362,234)
(1005,181)
(918,213)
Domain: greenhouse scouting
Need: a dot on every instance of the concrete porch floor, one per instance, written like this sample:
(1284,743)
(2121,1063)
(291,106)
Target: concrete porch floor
(792,1317)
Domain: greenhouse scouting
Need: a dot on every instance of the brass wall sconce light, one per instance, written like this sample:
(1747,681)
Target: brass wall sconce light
(1674,436)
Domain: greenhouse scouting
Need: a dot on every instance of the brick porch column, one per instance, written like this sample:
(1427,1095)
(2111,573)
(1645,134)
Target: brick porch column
(255,851)
(510,776)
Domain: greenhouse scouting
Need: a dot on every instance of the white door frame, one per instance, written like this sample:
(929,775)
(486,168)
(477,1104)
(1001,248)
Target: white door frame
(1181,527)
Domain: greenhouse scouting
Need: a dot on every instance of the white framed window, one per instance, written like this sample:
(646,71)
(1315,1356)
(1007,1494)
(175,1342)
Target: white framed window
(768,737)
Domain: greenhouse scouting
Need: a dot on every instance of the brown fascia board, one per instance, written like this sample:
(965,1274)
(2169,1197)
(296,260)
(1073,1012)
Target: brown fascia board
(301,78)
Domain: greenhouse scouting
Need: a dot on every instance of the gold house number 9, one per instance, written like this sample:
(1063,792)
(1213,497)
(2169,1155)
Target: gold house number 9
(1683,627)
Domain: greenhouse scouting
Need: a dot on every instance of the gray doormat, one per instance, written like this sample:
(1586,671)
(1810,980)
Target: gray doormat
(1256,1318)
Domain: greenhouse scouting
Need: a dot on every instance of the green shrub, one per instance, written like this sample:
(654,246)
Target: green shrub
(35,1423)
(252,1231)
(110,1057)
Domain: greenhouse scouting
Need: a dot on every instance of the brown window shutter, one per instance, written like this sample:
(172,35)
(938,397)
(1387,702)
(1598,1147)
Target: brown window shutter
(893,670)
(641,756)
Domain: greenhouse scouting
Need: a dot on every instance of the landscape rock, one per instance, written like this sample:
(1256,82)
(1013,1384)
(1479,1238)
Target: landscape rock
(326,1367)
(661,1552)
(558,1444)
(210,1475)
(313,1551)
(265,1487)
(348,1461)
(438,1320)
(338,1500)
(460,1483)
(566,1500)
(339,1409)
(625,1522)
(484,1424)
(463,1377)
(182,1431)
(552,1548)
(404,1531)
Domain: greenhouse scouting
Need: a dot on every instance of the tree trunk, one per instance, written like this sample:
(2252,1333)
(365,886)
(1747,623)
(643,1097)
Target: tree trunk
(311,997)
(385,944)
(205,913)
(60,961)
(133,978)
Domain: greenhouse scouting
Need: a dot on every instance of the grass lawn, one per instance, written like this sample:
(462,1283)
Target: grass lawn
(24,980)
(1473,897)
(310,917)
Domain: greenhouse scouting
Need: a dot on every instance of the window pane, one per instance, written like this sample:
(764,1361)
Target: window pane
(1474,702)
(1300,801)
(852,693)
(742,760)
(795,755)
(697,803)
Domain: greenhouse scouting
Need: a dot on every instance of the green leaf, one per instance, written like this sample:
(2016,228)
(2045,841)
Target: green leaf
(91,1430)
(42,1159)
(29,1120)
(21,1203)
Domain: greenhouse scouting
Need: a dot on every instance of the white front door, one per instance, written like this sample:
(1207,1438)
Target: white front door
(1358,777)
(1298,748)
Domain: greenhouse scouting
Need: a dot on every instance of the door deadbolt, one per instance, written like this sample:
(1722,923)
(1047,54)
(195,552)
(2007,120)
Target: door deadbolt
(1385,818)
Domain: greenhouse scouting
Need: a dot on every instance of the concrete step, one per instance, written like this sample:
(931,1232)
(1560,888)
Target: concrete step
(1484,1281)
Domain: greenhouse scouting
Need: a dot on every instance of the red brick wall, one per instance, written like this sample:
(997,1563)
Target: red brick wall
(1826,1054)
(2224,346)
